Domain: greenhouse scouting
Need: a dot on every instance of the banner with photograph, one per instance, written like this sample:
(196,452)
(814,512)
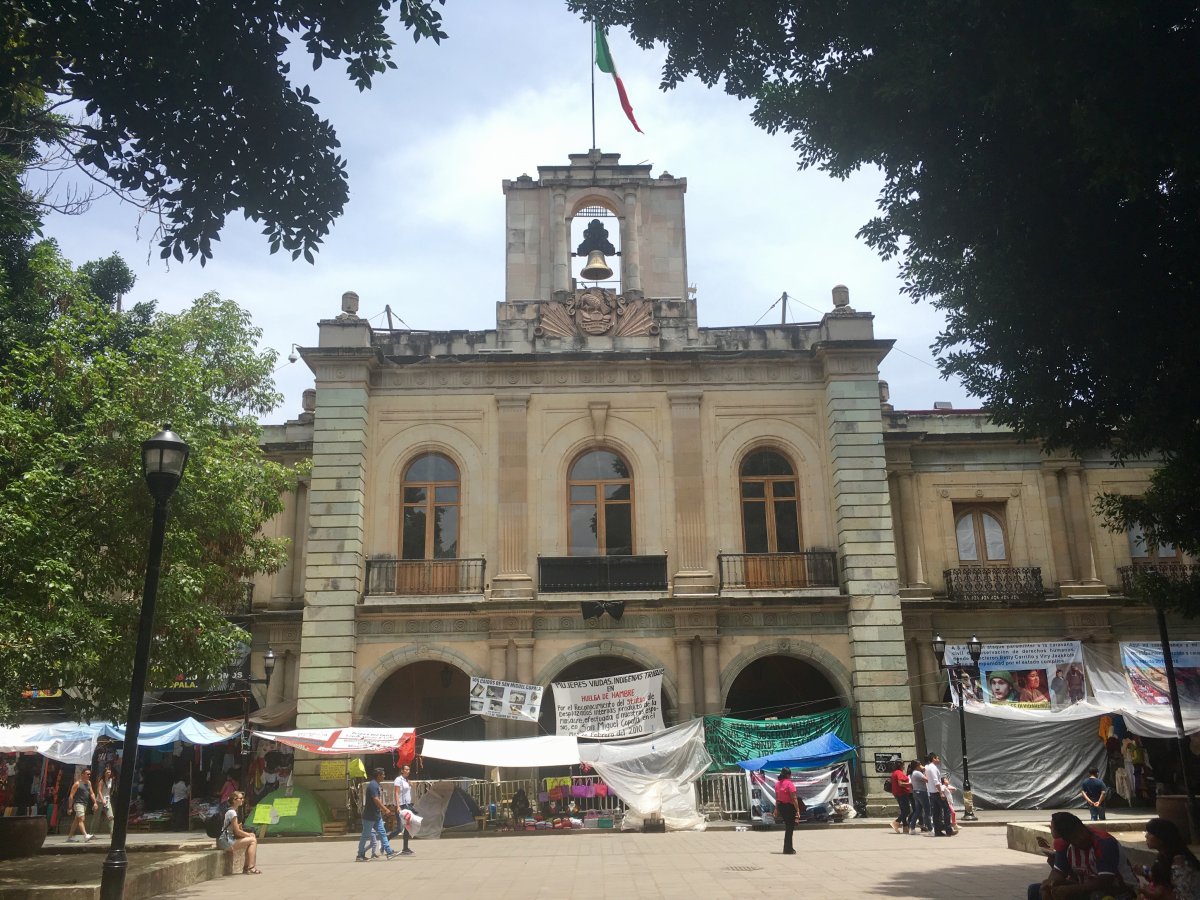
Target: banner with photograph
(505,699)
(1146,671)
(615,707)
(1048,675)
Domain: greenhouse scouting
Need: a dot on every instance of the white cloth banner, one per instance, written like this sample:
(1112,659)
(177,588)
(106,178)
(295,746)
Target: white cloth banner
(340,741)
(505,699)
(1046,675)
(1146,672)
(548,750)
(615,707)
(815,786)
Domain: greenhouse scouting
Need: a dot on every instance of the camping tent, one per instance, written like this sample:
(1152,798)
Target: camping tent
(445,806)
(311,812)
(819,753)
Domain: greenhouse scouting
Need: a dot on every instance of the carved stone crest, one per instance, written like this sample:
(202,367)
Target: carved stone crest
(596,311)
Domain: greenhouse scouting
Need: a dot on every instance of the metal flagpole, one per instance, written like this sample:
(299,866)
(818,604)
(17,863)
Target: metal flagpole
(592,44)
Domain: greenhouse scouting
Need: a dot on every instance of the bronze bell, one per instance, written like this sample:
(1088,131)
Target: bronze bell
(597,268)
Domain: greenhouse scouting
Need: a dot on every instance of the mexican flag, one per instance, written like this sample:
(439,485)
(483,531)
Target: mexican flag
(604,62)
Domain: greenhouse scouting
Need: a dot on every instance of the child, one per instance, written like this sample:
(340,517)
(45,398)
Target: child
(948,793)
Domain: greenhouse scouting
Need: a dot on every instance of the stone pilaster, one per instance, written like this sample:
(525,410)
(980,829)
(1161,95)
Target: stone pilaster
(867,549)
(692,572)
(494,729)
(685,678)
(910,520)
(1078,514)
(334,565)
(512,578)
(560,243)
(1056,518)
(631,269)
(712,676)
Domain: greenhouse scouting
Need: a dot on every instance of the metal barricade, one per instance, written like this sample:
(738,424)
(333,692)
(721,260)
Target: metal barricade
(727,791)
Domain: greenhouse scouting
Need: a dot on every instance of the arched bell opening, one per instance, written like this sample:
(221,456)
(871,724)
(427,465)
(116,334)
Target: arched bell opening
(782,687)
(434,697)
(595,248)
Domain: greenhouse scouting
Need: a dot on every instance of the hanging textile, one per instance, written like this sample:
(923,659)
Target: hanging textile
(730,740)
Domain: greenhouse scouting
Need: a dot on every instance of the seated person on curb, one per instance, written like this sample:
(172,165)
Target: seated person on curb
(233,837)
(1085,863)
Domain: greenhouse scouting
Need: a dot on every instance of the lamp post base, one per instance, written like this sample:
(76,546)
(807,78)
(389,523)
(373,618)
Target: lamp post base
(112,876)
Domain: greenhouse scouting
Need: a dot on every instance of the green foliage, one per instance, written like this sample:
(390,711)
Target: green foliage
(191,107)
(75,512)
(1042,188)
(111,278)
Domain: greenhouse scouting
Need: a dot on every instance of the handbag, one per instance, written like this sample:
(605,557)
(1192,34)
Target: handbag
(601,789)
(543,797)
(556,793)
(579,791)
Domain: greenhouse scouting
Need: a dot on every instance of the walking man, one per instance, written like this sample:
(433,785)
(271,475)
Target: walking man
(1093,791)
(372,819)
(939,809)
(78,801)
(403,802)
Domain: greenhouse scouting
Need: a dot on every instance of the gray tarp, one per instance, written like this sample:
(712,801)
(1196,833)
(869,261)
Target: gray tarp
(1035,763)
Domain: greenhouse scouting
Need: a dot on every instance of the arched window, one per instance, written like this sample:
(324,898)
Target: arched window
(770,504)
(429,522)
(600,501)
(979,531)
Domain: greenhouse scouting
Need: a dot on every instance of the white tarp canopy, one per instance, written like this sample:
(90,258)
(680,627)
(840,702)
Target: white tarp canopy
(341,741)
(654,775)
(548,750)
(74,743)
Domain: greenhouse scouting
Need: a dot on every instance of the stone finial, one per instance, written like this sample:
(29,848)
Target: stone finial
(841,301)
(350,303)
(308,400)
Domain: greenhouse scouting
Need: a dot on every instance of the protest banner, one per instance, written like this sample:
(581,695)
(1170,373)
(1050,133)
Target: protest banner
(1045,675)
(1146,671)
(505,699)
(618,706)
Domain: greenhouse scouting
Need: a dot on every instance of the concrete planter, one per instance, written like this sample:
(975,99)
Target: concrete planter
(21,836)
(1173,808)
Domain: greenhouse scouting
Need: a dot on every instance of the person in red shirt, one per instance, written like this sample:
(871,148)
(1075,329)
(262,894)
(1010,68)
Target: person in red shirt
(787,803)
(901,789)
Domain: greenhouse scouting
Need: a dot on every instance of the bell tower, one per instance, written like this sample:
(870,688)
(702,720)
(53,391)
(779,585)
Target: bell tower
(541,262)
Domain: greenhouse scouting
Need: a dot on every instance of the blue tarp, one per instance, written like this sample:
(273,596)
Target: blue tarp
(816,754)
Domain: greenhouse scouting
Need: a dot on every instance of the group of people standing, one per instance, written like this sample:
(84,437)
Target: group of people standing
(924,797)
(375,810)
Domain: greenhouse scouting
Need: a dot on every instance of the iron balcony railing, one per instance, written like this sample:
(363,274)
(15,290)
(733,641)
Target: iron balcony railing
(422,577)
(810,568)
(242,603)
(599,574)
(973,584)
(1170,571)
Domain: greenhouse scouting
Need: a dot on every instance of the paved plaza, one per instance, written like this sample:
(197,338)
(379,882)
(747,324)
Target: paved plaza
(830,862)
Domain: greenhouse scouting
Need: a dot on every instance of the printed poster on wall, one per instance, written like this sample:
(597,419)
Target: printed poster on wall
(1047,675)
(506,699)
(1147,674)
(615,707)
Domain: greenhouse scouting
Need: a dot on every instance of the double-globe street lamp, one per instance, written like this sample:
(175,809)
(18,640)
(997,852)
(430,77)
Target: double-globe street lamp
(975,648)
(164,457)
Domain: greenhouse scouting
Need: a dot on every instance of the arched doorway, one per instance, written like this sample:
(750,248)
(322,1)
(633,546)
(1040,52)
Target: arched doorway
(433,697)
(781,687)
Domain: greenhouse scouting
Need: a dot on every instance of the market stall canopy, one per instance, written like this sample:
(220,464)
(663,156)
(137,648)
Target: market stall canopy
(345,741)
(75,742)
(815,754)
(548,750)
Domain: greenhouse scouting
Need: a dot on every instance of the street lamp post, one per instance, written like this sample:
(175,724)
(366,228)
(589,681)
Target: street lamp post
(975,648)
(268,668)
(164,457)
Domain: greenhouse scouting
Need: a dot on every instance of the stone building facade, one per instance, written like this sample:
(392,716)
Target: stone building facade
(778,538)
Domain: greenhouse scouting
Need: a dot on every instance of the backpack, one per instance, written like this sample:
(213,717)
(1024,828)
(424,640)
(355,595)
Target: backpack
(214,824)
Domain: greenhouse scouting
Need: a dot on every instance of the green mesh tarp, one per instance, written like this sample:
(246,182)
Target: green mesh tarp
(730,740)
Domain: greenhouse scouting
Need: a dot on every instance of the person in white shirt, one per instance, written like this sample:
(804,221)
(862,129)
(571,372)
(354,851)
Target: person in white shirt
(938,806)
(179,805)
(403,802)
(920,813)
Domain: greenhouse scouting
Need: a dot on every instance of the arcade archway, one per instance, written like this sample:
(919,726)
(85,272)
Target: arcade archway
(781,687)
(433,696)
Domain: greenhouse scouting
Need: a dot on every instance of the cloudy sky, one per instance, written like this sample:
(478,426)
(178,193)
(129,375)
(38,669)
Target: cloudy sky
(428,147)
